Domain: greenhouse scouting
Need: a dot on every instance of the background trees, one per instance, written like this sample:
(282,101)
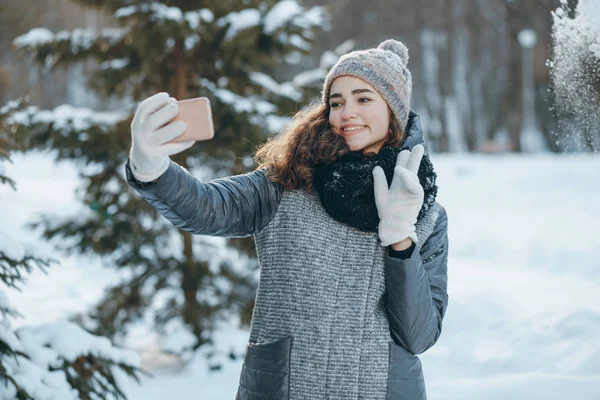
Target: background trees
(225,51)
(465,57)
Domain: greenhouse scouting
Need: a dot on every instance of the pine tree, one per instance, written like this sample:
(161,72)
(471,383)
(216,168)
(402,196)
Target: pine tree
(224,50)
(54,360)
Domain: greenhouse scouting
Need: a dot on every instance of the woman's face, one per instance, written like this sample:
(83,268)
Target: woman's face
(359,114)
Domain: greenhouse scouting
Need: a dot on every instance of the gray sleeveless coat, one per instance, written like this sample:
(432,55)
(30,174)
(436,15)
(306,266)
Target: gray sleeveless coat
(335,316)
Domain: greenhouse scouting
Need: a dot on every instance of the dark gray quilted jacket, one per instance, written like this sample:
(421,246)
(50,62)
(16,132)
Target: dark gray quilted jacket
(335,317)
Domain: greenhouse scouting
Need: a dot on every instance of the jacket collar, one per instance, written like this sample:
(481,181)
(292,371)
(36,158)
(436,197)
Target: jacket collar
(414,132)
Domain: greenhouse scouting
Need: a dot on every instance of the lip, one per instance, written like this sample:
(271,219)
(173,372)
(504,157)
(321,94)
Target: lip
(351,133)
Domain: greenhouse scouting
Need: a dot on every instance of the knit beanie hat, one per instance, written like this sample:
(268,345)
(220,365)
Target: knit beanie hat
(384,68)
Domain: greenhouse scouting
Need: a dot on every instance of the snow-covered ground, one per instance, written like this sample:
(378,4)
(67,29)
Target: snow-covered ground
(523,321)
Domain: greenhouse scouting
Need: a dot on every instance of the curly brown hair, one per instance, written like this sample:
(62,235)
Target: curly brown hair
(289,157)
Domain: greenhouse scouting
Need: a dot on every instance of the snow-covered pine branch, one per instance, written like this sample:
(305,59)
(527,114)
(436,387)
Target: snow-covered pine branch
(261,112)
(314,77)
(58,360)
(287,21)
(160,13)
(186,24)
(289,14)
(61,361)
(51,49)
(64,121)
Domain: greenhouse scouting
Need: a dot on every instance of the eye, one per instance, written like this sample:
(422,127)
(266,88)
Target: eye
(364,100)
(334,105)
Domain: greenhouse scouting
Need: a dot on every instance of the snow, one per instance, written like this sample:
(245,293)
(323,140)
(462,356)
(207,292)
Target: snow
(285,89)
(35,37)
(287,11)
(299,42)
(6,333)
(158,12)
(48,346)
(161,13)
(80,39)
(293,57)
(241,104)
(316,76)
(280,14)
(591,10)
(191,41)
(239,21)
(4,304)
(194,17)
(276,123)
(62,116)
(125,12)
(115,63)
(524,283)
(309,77)
(315,16)
(576,45)
(11,248)
(69,342)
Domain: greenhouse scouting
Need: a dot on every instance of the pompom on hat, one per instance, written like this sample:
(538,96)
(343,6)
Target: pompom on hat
(384,68)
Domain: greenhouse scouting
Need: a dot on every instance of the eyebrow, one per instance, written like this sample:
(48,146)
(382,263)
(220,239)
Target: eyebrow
(355,91)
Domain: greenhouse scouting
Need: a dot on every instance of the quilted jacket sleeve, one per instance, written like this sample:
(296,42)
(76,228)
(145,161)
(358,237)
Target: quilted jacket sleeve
(417,291)
(236,206)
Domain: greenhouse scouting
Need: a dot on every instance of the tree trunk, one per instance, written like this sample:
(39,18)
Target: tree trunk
(192,273)
(513,107)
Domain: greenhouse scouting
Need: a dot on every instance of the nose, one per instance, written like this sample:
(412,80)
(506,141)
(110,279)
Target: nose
(348,113)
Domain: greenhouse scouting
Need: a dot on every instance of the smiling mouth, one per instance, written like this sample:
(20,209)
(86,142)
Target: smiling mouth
(351,130)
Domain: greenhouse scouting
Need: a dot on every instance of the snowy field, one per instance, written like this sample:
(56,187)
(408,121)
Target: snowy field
(523,321)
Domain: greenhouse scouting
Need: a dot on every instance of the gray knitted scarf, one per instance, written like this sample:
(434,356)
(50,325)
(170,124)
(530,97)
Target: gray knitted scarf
(346,191)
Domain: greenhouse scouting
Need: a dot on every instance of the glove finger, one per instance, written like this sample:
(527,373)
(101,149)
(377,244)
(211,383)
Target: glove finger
(398,179)
(169,132)
(163,116)
(411,182)
(402,158)
(170,149)
(414,161)
(152,103)
(381,190)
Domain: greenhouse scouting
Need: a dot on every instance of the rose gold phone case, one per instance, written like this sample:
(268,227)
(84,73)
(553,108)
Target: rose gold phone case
(197,115)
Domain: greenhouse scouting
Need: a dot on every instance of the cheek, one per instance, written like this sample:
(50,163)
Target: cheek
(333,120)
(377,113)
(385,120)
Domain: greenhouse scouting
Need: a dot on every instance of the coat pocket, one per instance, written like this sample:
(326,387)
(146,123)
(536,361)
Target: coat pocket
(266,371)
(405,375)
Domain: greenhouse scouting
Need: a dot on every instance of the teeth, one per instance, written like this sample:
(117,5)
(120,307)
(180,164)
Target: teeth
(353,128)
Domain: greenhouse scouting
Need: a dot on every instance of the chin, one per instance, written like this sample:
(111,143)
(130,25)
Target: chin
(355,147)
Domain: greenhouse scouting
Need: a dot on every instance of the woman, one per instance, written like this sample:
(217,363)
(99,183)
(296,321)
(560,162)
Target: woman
(353,279)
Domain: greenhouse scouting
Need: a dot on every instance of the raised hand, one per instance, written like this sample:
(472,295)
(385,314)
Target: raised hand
(398,206)
(151,129)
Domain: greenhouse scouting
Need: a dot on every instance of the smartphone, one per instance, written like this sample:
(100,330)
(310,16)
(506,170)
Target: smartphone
(197,115)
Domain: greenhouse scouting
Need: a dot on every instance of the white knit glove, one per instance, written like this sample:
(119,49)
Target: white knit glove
(150,132)
(399,206)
